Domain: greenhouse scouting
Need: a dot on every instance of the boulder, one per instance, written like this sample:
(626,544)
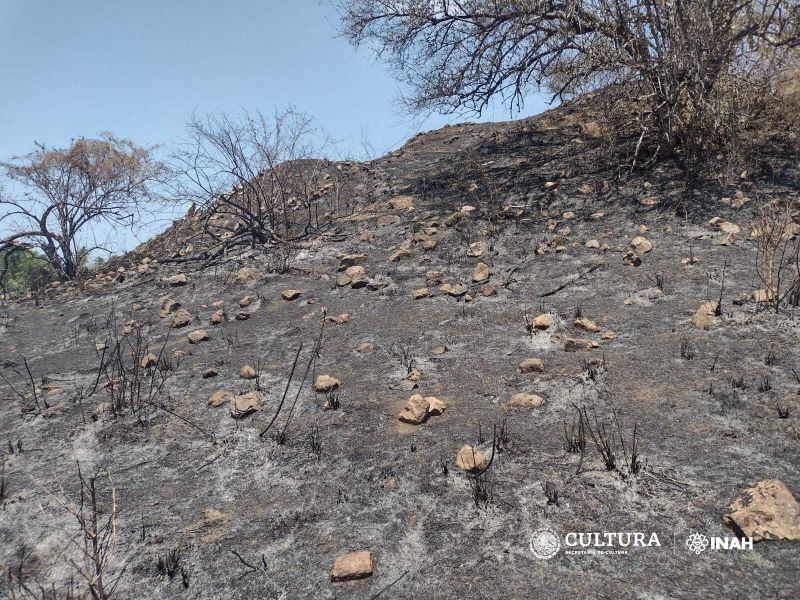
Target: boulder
(219,398)
(542,322)
(421,293)
(641,244)
(415,410)
(470,459)
(247,372)
(246,275)
(587,325)
(149,360)
(481,273)
(326,383)
(198,335)
(177,280)
(365,348)
(703,318)
(574,344)
(453,290)
(531,365)
(290,294)
(523,400)
(355,565)
(243,405)
(181,318)
(766,511)
(246,301)
(217,317)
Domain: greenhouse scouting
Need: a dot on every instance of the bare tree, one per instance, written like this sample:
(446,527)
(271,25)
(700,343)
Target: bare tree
(258,179)
(776,237)
(694,71)
(68,192)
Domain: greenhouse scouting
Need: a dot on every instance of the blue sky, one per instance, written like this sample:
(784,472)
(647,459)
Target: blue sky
(137,68)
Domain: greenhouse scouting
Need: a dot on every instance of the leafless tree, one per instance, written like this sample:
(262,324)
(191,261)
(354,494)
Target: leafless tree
(68,192)
(693,71)
(258,179)
(776,237)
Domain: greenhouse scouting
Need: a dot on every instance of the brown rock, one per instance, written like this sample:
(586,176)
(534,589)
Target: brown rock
(356,565)
(523,400)
(542,322)
(198,335)
(531,365)
(401,253)
(703,318)
(453,290)
(246,274)
(766,511)
(470,459)
(290,294)
(149,360)
(246,301)
(632,259)
(326,383)
(178,280)
(365,348)
(574,344)
(415,410)
(641,244)
(481,273)
(242,315)
(243,405)
(421,293)
(488,290)
(182,318)
(433,278)
(168,306)
(351,260)
(587,325)
(219,398)
(218,304)
(247,372)
(593,244)
(217,317)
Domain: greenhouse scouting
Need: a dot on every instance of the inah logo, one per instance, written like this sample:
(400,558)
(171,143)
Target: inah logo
(545,543)
(697,542)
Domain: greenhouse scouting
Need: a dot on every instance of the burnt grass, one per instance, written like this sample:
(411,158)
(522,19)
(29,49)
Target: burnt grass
(244,516)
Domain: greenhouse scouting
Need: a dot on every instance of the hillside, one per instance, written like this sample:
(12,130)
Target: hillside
(483,284)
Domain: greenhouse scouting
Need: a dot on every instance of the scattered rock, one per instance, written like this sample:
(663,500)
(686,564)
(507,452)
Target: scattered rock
(641,244)
(177,280)
(401,253)
(523,400)
(470,459)
(356,565)
(102,408)
(100,347)
(488,290)
(246,301)
(575,344)
(587,325)
(326,383)
(703,318)
(481,273)
(219,398)
(439,350)
(209,373)
(168,306)
(243,405)
(247,372)
(421,293)
(531,365)
(217,317)
(365,348)
(182,318)
(453,290)
(650,201)
(766,511)
(433,278)
(242,315)
(198,335)
(149,360)
(341,319)
(351,260)
(542,322)
(593,244)
(246,275)
(632,259)
(290,294)
(415,410)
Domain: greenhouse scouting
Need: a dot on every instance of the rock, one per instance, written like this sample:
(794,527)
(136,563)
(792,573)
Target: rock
(531,365)
(341,319)
(290,294)
(433,278)
(178,354)
(574,344)
(488,290)
(247,372)
(689,260)
(481,273)
(430,244)
(650,201)
(641,244)
(149,360)
(246,301)
(763,295)
(453,290)
(243,405)
(177,280)
(218,304)
(246,274)
(103,407)
(209,373)
(168,306)
(402,202)
(470,459)
(55,410)
(414,375)
(542,322)
(436,406)
(439,350)
(549,185)
(632,259)
(198,335)
(766,511)
(100,347)
(365,348)
(586,189)
(593,244)
(343,280)
(608,335)
(415,410)
(477,249)
(219,398)
(351,260)
(355,272)
(524,400)
(421,293)
(326,383)
(217,317)
(356,565)
(587,325)
(182,318)
(568,215)
(703,318)
(401,253)
(242,315)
